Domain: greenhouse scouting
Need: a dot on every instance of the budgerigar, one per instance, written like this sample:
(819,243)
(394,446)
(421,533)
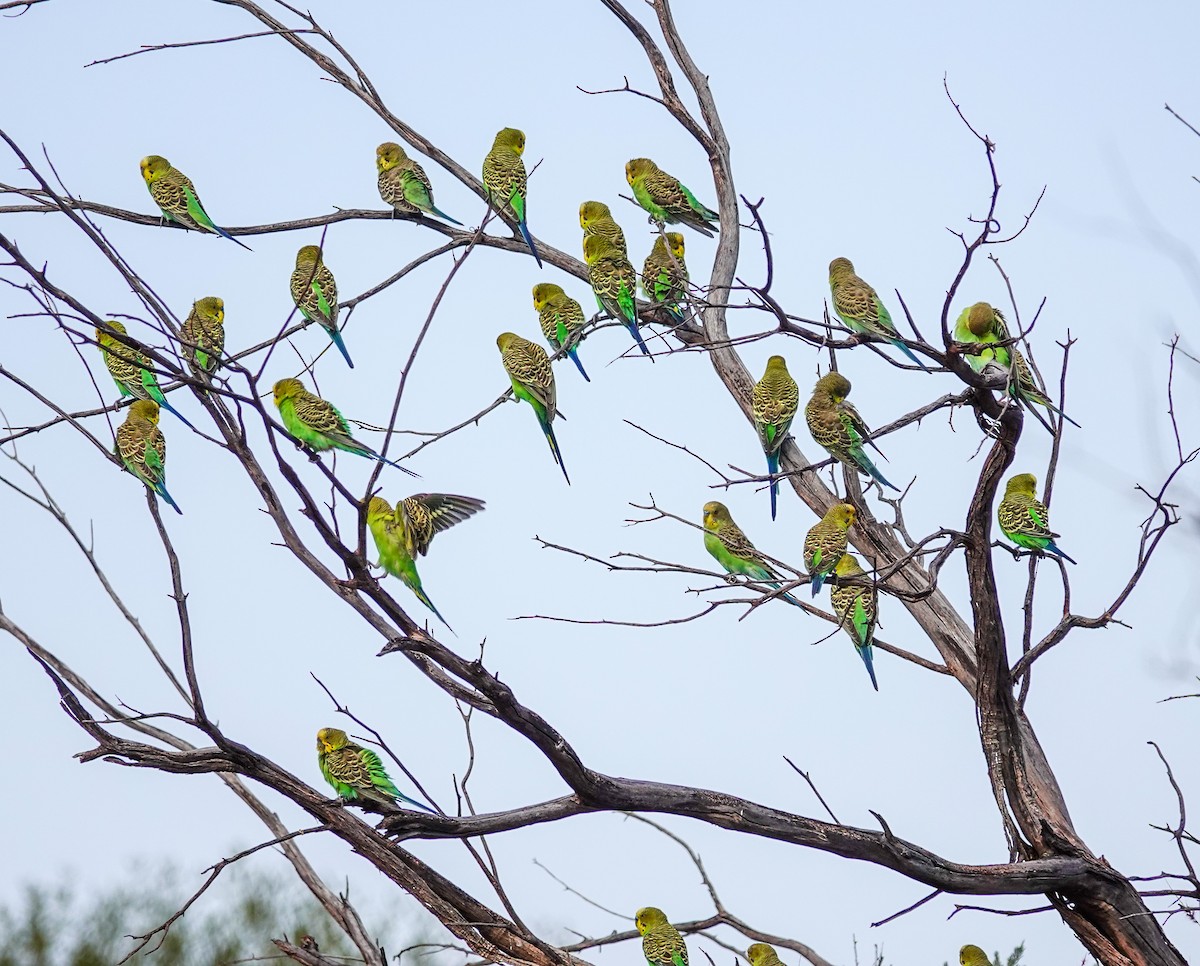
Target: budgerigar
(826,542)
(596,219)
(761,954)
(856,609)
(203,333)
(532,377)
(130,369)
(176,197)
(504,180)
(355,772)
(404,534)
(665,275)
(315,293)
(318,424)
(860,309)
(973,956)
(561,319)
(732,549)
(143,448)
(1024,519)
(775,400)
(662,944)
(403,183)
(614,283)
(666,198)
(836,425)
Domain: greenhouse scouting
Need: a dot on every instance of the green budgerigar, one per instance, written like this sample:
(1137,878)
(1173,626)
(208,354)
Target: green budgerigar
(561,319)
(357,773)
(131,369)
(176,197)
(142,448)
(761,954)
(774,403)
(826,543)
(403,534)
(856,608)
(732,549)
(860,309)
(662,944)
(315,293)
(505,182)
(666,198)
(596,219)
(614,283)
(532,378)
(837,427)
(665,275)
(403,183)
(1024,519)
(203,333)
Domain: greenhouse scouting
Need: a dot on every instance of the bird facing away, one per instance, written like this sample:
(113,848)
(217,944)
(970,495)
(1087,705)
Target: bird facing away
(403,183)
(143,448)
(404,534)
(732,549)
(826,543)
(203,333)
(1024,519)
(561,319)
(504,180)
(614,283)
(176,197)
(836,425)
(315,293)
(131,369)
(318,424)
(596,219)
(859,307)
(665,275)
(661,942)
(532,378)
(774,403)
(666,198)
(760,954)
(356,772)
(856,608)
(972,955)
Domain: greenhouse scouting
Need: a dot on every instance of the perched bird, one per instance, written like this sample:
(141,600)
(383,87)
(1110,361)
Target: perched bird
(836,425)
(661,942)
(774,402)
(856,608)
(561,319)
(130,369)
(666,198)
(596,219)
(403,183)
(614,283)
(1024,519)
(664,274)
(504,180)
(143,448)
(405,534)
(315,293)
(733,550)
(859,307)
(317,423)
(532,377)
(973,956)
(176,197)
(826,543)
(203,332)
(356,772)
(760,954)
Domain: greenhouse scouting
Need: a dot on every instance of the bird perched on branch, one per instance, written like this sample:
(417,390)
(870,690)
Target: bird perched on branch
(614,283)
(403,183)
(504,180)
(732,549)
(860,309)
(667,199)
(315,293)
(665,274)
(142,448)
(203,333)
(596,219)
(176,197)
(774,401)
(131,369)
(1024,519)
(856,608)
(826,542)
(532,378)
(836,425)
(662,944)
(356,772)
(561,319)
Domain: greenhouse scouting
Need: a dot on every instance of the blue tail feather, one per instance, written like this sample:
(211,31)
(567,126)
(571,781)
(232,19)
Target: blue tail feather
(1053,548)
(178,415)
(336,336)
(864,461)
(161,491)
(574,355)
(772,469)
(908,352)
(224,234)
(529,241)
(818,581)
(869,661)
(445,217)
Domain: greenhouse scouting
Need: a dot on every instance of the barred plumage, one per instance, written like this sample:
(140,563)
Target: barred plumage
(203,333)
(665,274)
(837,427)
(662,943)
(1025,519)
(315,293)
(666,198)
(403,183)
(826,542)
(774,402)
(859,307)
(856,608)
(142,448)
(532,378)
(505,182)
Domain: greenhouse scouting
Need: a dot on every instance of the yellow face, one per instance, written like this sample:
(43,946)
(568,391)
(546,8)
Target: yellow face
(1022,483)
(105,338)
(843,514)
(212,308)
(758,952)
(636,168)
(378,507)
(287,389)
(649,917)
(834,383)
(846,565)
(591,211)
(714,514)
(543,292)
(388,155)
(510,137)
(504,340)
(675,241)
(153,167)
(596,247)
(330,739)
(146,409)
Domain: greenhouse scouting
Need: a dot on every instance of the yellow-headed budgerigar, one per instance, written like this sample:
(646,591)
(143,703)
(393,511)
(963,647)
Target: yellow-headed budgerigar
(403,534)
(596,219)
(856,608)
(176,197)
(504,180)
(1024,519)
(973,956)
(826,543)
(561,319)
(860,309)
(355,772)
(131,369)
(318,424)
(774,402)
(836,425)
(203,333)
(664,274)
(315,293)
(532,378)
(614,283)
(662,944)
(142,448)
(666,198)
(403,183)
(732,549)
(761,954)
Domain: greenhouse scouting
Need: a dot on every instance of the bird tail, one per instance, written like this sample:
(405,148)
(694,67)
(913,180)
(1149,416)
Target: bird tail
(529,241)
(424,599)
(788,597)
(574,354)
(908,352)
(433,209)
(676,313)
(864,462)
(171,409)
(818,581)
(772,469)
(637,337)
(224,234)
(160,490)
(868,659)
(1052,547)
(413,802)
(554,450)
(336,336)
